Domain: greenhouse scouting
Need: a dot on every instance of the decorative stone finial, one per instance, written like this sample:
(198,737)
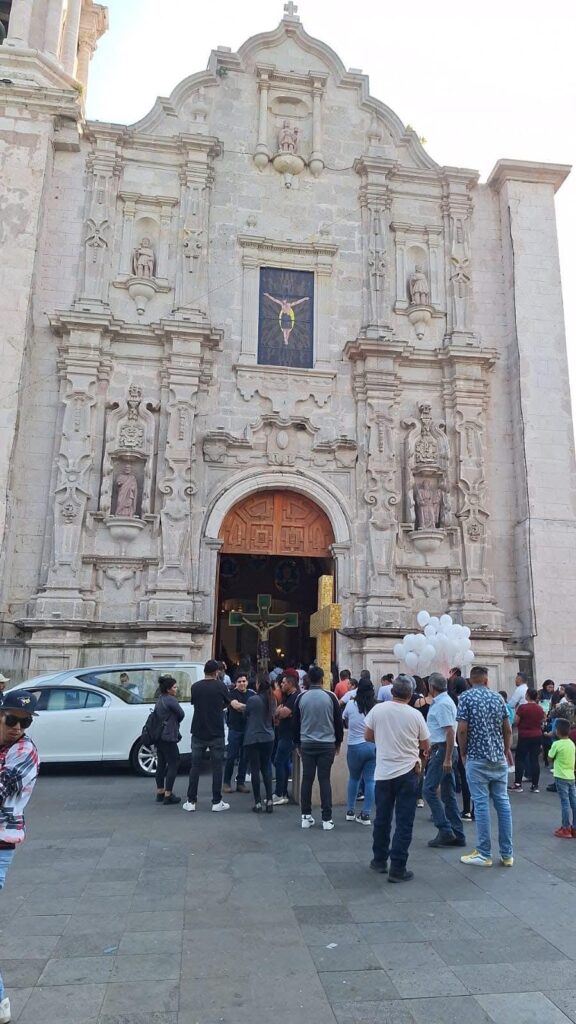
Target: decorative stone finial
(290,10)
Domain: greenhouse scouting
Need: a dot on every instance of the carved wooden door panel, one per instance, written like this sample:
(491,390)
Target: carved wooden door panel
(277,523)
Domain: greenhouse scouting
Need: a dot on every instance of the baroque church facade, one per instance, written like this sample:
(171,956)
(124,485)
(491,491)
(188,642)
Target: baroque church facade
(261,336)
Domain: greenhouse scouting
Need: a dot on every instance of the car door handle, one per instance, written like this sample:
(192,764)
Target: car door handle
(88,719)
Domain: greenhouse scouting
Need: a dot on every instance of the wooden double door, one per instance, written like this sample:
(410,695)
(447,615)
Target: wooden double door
(277,523)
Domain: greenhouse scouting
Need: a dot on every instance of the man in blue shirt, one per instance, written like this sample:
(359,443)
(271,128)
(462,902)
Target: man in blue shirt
(441,766)
(484,736)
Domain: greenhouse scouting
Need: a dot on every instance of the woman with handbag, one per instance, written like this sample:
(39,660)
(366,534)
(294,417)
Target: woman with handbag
(170,713)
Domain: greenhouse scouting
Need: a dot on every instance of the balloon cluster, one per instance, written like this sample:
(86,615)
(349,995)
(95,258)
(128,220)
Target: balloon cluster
(442,643)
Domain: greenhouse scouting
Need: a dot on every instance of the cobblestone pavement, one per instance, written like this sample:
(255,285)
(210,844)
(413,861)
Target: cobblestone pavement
(121,911)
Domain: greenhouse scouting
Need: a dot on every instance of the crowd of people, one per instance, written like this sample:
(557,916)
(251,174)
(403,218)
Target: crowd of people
(411,740)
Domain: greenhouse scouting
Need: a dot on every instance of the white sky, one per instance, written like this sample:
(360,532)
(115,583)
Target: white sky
(479,81)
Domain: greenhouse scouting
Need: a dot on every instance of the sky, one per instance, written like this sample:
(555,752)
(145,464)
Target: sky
(479,81)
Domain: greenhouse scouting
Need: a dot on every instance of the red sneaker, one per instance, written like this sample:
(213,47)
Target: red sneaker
(563,833)
(573,831)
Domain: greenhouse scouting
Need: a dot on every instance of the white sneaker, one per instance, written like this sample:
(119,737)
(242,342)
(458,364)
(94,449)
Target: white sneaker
(188,806)
(350,815)
(327,826)
(5,1016)
(221,806)
(307,821)
(278,800)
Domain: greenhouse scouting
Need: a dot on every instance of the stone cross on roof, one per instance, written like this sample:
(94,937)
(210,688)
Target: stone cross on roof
(290,10)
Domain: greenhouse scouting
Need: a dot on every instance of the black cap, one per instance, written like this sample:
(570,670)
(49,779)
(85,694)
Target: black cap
(19,700)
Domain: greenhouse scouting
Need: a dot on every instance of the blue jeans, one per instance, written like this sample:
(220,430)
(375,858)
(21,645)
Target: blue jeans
(567,793)
(361,758)
(399,795)
(444,808)
(282,762)
(488,780)
(5,862)
(235,753)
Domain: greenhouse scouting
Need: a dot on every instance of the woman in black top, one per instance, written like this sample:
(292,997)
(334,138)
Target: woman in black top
(259,739)
(170,712)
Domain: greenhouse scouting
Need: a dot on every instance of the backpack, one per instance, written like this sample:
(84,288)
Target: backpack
(153,728)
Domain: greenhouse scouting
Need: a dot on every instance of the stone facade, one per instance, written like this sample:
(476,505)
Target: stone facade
(434,427)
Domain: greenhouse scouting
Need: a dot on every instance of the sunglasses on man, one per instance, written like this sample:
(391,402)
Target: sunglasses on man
(24,721)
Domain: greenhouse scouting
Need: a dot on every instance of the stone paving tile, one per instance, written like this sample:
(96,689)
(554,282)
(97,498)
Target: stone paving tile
(139,1018)
(351,956)
(521,1008)
(141,996)
(426,981)
(18,999)
(520,977)
(65,1004)
(150,942)
(477,951)
(565,1000)
(449,1010)
(77,970)
(89,943)
(45,924)
(392,1011)
(360,986)
(21,973)
(399,954)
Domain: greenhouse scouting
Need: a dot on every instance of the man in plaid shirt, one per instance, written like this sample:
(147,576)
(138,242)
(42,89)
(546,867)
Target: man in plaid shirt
(18,773)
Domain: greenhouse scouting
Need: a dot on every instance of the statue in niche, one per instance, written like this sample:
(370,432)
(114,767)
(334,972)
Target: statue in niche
(288,138)
(419,287)
(426,447)
(127,492)
(427,503)
(143,260)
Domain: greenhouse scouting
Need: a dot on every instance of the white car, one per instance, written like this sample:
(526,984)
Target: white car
(97,714)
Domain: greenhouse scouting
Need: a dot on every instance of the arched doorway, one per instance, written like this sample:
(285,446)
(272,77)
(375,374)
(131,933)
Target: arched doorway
(274,542)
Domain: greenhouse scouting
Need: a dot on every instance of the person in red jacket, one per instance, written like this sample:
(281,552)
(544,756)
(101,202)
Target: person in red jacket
(530,718)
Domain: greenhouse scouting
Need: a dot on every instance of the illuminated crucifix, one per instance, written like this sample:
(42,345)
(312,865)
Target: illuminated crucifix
(263,621)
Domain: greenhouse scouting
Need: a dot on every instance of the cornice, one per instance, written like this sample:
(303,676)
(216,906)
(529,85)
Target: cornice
(528,171)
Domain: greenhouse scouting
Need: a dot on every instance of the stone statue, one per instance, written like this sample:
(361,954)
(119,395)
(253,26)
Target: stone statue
(143,259)
(419,287)
(287,138)
(427,504)
(127,492)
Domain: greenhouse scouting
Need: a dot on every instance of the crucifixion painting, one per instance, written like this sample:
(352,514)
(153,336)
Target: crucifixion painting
(285,330)
(263,621)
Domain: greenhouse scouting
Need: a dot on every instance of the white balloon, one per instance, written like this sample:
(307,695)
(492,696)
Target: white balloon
(419,643)
(466,632)
(423,618)
(468,658)
(430,630)
(411,660)
(445,620)
(409,641)
(435,621)
(399,651)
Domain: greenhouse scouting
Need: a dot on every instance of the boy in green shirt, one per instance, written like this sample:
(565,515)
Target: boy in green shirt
(563,753)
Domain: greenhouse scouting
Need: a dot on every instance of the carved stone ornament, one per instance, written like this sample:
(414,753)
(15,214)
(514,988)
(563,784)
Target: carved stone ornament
(426,477)
(420,310)
(279,441)
(127,465)
(285,388)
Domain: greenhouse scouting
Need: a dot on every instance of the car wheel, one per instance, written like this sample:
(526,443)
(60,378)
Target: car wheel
(144,759)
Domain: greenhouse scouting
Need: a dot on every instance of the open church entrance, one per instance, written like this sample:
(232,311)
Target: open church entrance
(276,544)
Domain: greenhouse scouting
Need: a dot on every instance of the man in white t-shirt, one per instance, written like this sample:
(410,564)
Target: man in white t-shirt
(519,695)
(402,741)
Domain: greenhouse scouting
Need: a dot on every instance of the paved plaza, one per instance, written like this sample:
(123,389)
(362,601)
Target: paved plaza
(121,911)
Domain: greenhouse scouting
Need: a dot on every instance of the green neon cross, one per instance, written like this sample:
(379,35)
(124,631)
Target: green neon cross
(263,621)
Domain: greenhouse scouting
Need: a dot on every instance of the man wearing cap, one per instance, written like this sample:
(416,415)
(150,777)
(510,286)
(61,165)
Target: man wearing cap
(3,681)
(18,772)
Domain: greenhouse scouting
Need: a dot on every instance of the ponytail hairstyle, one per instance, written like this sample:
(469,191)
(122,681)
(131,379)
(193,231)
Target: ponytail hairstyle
(265,690)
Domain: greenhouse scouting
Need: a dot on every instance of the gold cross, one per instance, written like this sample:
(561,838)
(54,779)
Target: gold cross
(323,623)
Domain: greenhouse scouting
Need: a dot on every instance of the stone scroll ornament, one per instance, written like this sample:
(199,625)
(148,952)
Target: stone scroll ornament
(441,644)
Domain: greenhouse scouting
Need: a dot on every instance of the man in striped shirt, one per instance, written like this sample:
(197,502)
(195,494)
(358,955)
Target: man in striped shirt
(18,773)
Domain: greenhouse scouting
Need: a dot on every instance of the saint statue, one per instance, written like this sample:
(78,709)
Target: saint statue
(287,138)
(143,259)
(419,287)
(427,504)
(126,493)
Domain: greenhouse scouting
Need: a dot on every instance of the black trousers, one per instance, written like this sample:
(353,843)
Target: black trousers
(260,760)
(317,758)
(216,748)
(168,761)
(527,755)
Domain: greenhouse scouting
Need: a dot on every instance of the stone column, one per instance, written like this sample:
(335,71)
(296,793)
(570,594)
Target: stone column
(20,23)
(262,154)
(316,161)
(71,33)
(545,493)
(250,292)
(164,241)
(53,28)
(85,51)
(127,244)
